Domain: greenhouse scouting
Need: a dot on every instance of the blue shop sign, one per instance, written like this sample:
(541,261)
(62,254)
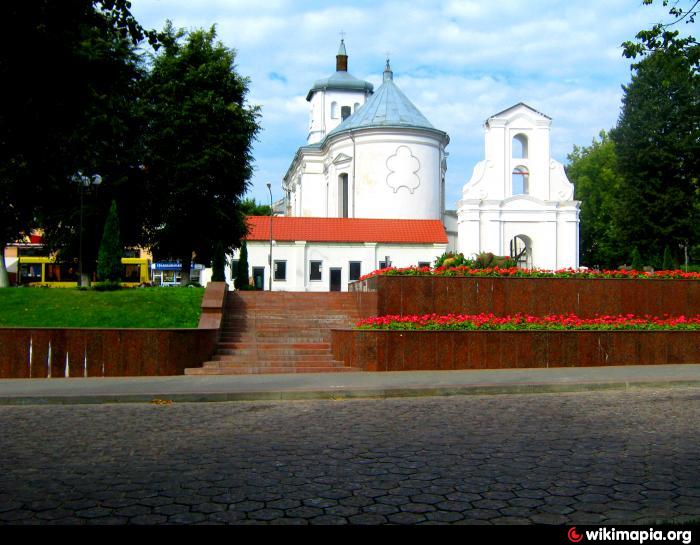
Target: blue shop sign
(175,266)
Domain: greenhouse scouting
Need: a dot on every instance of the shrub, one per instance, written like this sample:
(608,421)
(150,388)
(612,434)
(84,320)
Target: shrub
(487,260)
(107,285)
(452,259)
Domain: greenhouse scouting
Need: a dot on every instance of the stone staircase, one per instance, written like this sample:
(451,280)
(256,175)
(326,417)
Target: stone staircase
(280,332)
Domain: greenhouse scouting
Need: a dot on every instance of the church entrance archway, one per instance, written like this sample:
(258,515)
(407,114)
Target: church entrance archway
(521,251)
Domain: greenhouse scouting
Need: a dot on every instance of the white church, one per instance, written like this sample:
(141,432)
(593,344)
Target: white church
(367,191)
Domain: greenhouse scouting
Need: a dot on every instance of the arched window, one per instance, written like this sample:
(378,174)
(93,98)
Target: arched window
(521,181)
(520,146)
(334,110)
(355,107)
(345,112)
(343,196)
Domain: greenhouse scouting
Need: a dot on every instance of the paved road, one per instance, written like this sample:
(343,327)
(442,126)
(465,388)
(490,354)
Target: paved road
(582,458)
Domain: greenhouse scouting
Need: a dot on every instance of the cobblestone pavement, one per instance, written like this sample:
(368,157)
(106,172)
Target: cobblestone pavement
(586,458)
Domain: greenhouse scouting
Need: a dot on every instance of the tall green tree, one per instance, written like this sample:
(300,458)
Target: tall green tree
(657,141)
(109,258)
(595,174)
(197,146)
(69,64)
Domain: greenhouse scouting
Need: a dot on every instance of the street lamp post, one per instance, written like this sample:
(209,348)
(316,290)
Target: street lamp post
(84,181)
(269,188)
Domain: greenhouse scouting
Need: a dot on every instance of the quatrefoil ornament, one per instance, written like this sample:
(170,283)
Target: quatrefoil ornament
(403,170)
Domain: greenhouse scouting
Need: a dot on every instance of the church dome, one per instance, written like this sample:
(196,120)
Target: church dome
(341,80)
(387,107)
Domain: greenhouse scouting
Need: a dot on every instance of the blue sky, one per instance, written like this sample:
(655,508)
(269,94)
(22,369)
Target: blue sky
(458,61)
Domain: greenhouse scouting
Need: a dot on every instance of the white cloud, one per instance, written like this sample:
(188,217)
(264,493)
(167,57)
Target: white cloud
(459,61)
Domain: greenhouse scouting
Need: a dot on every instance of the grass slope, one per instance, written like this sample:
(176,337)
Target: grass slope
(65,307)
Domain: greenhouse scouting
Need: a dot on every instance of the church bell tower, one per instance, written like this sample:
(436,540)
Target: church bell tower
(335,98)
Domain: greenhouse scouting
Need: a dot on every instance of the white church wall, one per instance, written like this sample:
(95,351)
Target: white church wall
(568,230)
(298,256)
(394,175)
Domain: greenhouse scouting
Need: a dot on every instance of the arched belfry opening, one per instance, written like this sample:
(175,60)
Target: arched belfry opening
(519,147)
(521,251)
(521,181)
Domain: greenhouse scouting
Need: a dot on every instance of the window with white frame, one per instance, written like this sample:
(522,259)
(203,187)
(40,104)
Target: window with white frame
(280,270)
(315,270)
(355,270)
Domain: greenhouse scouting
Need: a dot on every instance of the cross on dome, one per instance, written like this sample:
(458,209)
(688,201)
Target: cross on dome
(388,74)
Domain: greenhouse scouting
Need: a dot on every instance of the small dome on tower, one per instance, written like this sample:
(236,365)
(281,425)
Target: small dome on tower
(341,80)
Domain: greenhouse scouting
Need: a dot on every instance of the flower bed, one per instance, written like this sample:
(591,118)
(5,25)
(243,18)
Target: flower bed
(516,272)
(556,322)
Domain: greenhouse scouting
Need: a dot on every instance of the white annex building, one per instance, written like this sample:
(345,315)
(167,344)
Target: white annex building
(368,190)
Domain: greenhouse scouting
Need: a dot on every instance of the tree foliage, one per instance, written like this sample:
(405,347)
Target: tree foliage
(597,180)
(657,141)
(250,207)
(72,68)
(667,36)
(197,146)
(109,257)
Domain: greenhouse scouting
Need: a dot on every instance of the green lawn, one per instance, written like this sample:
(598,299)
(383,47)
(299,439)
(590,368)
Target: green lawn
(69,307)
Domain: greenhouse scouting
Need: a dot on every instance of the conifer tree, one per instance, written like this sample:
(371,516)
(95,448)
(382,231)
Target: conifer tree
(109,257)
(636,260)
(668,264)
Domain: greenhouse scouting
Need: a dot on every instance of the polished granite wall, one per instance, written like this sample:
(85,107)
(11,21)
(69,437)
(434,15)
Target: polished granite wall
(61,352)
(373,350)
(405,295)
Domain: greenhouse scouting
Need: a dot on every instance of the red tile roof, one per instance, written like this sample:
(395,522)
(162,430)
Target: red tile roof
(347,230)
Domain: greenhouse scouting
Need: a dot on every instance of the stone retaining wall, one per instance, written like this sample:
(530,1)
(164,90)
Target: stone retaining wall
(584,297)
(375,350)
(112,352)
